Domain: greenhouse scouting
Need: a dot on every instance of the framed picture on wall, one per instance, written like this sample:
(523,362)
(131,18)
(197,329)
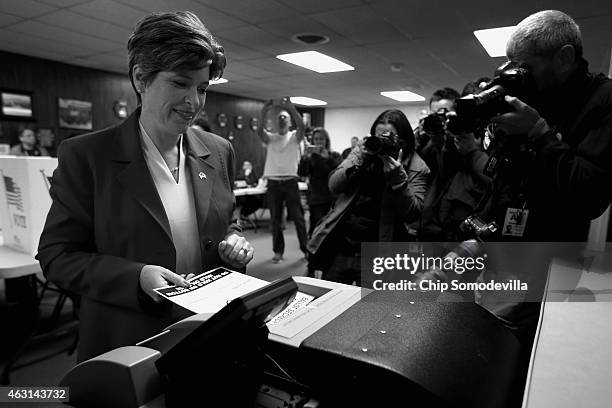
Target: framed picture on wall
(75,114)
(16,104)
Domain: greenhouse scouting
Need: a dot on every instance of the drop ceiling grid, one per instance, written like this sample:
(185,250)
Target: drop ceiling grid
(93,27)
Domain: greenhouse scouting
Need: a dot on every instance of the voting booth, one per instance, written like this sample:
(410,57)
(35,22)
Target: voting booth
(24,199)
(349,347)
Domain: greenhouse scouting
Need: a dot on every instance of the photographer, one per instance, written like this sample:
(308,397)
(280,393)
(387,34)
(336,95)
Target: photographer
(431,139)
(464,184)
(567,128)
(380,187)
(316,164)
(550,162)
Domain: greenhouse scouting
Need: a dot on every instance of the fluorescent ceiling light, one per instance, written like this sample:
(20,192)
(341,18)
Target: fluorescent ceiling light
(403,96)
(218,81)
(304,100)
(315,61)
(494,39)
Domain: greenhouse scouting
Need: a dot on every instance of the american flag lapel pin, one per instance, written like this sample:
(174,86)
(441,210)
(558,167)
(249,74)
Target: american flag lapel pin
(202,175)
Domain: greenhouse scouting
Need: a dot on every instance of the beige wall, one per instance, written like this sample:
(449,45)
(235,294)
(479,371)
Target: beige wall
(344,123)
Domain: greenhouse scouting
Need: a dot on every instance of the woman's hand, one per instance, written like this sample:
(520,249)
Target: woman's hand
(154,276)
(389,163)
(235,251)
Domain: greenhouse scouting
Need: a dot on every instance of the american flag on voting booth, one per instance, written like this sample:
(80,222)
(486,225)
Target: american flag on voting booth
(13,193)
(24,199)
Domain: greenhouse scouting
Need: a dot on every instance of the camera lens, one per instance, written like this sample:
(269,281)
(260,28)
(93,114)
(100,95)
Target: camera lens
(373,143)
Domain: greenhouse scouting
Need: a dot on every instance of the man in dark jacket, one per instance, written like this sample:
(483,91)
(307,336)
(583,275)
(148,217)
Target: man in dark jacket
(568,131)
(556,166)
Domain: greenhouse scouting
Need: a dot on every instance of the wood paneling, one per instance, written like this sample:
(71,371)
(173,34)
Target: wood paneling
(48,80)
(246,142)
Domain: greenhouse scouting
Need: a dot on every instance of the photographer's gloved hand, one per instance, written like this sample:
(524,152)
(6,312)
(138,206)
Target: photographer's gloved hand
(394,171)
(524,120)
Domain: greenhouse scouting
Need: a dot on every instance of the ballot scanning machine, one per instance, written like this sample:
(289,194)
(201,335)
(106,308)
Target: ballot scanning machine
(352,347)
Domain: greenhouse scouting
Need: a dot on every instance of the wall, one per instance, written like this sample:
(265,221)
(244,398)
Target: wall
(344,123)
(246,142)
(48,79)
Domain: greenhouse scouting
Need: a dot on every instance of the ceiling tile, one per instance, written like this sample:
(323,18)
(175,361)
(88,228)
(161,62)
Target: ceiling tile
(8,19)
(463,56)
(258,39)
(318,6)
(111,11)
(29,42)
(232,77)
(24,8)
(86,25)
(86,62)
(247,70)
(237,52)
(62,3)
(254,12)
(212,18)
(87,44)
(433,40)
(110,59)
(287,28)
(360,24)
(36,52)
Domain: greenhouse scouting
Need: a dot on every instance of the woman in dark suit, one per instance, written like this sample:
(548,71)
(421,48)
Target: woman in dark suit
(148,202)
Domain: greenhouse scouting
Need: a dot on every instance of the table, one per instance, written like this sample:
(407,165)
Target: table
(257,191)
(238,192)
(571,363)
(15,264)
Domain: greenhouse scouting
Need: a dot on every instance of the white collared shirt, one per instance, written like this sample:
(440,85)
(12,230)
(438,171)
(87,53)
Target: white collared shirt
(178,202)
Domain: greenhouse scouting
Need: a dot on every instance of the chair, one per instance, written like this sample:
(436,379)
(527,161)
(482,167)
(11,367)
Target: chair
(43,329)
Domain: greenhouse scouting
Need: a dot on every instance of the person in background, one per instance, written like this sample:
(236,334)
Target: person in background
(318,162)
(466,183)
(28,144)
(432,141)
(247,174)
(248,204)
(148,202)
(378,194)
(354,142)
(283,149)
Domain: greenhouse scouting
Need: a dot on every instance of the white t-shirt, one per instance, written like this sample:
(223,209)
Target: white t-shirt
(283,155)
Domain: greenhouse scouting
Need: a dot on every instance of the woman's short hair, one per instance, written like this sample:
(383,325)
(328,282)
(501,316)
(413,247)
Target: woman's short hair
(323,132)
(173,41)
(400,123)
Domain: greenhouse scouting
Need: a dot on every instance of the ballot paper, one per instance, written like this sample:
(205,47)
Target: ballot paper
(212,290)
(294,318)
